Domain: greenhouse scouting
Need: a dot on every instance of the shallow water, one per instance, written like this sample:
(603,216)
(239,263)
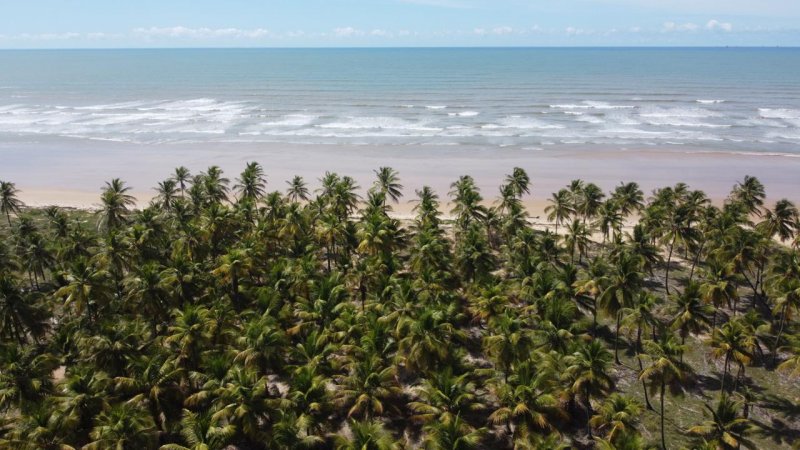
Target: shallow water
(732,100)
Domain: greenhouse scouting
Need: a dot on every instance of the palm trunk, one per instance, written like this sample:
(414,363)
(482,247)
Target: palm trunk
(669,259)
(724,373)
(616,339)
(641,367)
(663,439)
(778,337)
(696,260)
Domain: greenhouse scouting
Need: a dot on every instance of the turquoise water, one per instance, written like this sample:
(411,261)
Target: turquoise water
(742,100)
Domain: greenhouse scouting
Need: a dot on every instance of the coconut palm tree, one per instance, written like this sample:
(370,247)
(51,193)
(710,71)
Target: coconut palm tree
(665,369)
(690,313)
(560,207)
(785,280)
(444,397)
(750,194)
(115,205)
(519,182)
(368,389)
(366,435)
(629,198)
(587,375)
(733,343)
(251,183)
(200,431)
(388,183)
(452,435)
(20,315)
(577,239)
(725,428)
(166,194)
(297,189)
(618,415)
(26,378)
(182,177)
(9,203)
(123,427)
(622,286)
(780,222)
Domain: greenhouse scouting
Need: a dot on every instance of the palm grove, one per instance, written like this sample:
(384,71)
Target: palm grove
(223,314)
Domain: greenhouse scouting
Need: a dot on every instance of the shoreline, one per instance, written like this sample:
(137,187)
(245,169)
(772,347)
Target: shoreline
(49,174)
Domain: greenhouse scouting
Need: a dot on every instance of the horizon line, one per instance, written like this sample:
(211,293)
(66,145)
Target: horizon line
(419,47)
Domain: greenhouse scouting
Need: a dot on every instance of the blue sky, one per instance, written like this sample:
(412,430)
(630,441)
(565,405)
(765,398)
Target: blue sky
(381,23)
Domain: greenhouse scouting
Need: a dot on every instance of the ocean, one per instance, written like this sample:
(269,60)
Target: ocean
(719,99)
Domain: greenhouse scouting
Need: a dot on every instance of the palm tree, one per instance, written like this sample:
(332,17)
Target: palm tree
(643,315)
(368,388)
(577,238)
(519,182)
(84,396)
(86,288)
(734,343)
(609,219)
(453,435)
(251,183)
(526,403)
(233,267)
(690,314)
(587,374)
(366,435)
(628,197)
(589,201)
(785,282)
(444,397)
(725,429)
(115,205)
(9,203)
(26,379)
(182,176)
(665,369)
(750,194)
(123,427)
(20,316)
(618,415)
(297,189)
(678,229)
(388,183)
(425,340)
(780,221)
(622,287)
(792,364)
(213,185)
(560,207)
(201,432)
(166,194)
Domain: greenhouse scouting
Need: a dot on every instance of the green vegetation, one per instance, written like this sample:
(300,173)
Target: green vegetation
(225,315)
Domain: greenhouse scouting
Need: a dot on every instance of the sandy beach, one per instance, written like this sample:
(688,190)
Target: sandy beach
(49,174)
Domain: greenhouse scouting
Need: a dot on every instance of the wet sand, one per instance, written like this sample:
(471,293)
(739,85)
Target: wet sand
(52,173)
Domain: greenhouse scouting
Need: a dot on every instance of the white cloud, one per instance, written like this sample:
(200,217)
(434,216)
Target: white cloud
(42,36)
(672,26)
(479,31)
(200,33)
(502,30)
(715,24)
(347,32)
(380,33)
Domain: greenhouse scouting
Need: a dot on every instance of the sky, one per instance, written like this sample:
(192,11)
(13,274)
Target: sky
(396,23)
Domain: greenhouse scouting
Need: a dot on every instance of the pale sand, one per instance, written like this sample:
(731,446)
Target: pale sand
(48,173)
